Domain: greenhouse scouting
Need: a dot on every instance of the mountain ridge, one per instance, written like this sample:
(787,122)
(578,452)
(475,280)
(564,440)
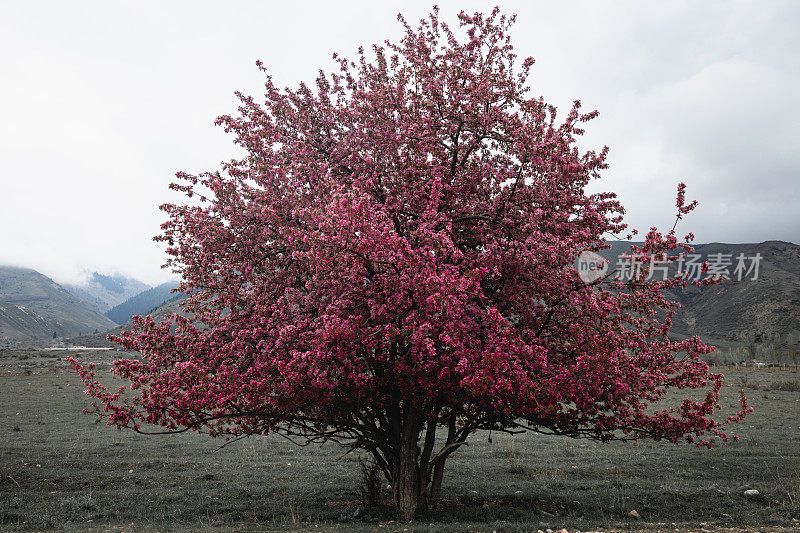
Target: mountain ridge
(102,292)
(739,310)
(141,303)
(732,313)
(35,309)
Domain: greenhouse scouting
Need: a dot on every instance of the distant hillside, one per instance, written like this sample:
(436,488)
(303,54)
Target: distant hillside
(173,305)
(738,310)
(103,292)
(142,303)
(19,324)
(33,308)
(726,315)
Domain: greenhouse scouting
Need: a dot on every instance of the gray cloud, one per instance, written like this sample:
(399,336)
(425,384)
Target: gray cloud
(103,103)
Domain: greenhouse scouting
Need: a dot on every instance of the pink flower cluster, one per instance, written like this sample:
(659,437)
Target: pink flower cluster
(398,241)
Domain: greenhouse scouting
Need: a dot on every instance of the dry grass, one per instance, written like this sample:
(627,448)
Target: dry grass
(60,471)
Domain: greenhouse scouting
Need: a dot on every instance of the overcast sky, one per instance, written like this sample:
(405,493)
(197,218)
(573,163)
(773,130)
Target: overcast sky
(102,102)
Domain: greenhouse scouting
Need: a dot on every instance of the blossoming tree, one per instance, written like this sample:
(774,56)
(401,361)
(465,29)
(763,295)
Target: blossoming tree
(389,267)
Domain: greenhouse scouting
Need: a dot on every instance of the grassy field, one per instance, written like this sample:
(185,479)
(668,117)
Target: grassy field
(61,471)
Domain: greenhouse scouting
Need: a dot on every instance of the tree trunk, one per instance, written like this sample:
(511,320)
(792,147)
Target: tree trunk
(436,482)
(416,474)
(408,488)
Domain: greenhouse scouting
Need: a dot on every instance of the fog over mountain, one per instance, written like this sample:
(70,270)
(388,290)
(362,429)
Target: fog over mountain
(102,292)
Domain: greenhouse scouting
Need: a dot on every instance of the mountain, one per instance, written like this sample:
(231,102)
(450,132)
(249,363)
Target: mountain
(18,324)
(142,303)
(754,309)
(173,305)
(730,313)
(33,307)
(739,309)
(102,292)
